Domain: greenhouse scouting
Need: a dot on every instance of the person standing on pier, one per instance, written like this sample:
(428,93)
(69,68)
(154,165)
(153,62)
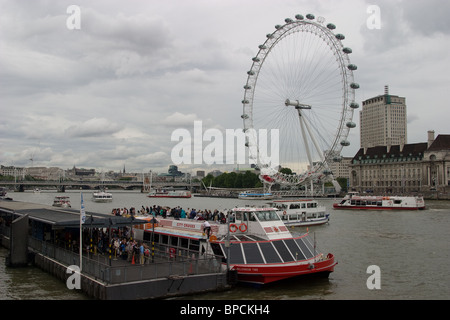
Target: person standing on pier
(141,253)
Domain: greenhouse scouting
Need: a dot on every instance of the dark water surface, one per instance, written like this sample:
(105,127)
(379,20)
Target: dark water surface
(411,249)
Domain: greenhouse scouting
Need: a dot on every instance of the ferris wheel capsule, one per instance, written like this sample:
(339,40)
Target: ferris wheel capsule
(347,50)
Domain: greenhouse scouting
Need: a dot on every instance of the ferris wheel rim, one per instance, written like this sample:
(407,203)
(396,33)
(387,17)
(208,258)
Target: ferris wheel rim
(334,43)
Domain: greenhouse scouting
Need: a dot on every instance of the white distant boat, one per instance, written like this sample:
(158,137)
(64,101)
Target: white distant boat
(102,196)
(355,201)
(164,193)
(248,195)
(61,201)
(302,212)
(37,190)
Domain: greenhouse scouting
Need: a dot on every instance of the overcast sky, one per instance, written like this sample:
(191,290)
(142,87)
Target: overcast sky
(111,93)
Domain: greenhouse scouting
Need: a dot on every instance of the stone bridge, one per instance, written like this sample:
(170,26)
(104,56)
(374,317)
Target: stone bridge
(62,185)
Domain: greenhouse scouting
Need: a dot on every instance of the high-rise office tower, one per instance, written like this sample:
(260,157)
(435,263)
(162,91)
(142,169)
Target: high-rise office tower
(383,121)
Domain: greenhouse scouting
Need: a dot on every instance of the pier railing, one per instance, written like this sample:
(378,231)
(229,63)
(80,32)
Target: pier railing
(115,271)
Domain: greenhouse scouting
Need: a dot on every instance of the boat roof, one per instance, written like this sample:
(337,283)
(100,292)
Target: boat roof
(253,209)
(275,251)
(293,200)
(65,218)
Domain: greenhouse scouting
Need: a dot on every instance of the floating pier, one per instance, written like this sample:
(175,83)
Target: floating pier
(47,237)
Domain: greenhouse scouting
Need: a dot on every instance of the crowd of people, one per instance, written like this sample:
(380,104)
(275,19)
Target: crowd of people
(175,212)
(123,245)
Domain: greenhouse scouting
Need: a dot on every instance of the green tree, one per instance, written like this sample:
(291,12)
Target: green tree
(286,170)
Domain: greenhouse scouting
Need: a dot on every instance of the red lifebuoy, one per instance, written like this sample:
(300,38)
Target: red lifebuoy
(284,213)
(233,227)
(242,227)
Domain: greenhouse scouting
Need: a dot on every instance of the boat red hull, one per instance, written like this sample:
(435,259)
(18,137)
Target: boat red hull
(264,274)
(337,206)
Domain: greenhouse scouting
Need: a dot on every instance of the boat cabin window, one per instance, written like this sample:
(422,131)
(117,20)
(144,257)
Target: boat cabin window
(278,206)
(242,216)
(397,201)
(266,215)
(184,242)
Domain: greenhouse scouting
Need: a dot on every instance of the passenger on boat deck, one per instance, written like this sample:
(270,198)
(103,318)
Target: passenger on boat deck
(207,228)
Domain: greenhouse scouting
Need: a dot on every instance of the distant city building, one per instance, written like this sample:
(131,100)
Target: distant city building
(383,121)
(340,169)
(80,172)
(200,173)
(13,171)
(173,171)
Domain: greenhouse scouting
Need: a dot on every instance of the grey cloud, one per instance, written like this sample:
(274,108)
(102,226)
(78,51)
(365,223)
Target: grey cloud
(96,127)
(427,17)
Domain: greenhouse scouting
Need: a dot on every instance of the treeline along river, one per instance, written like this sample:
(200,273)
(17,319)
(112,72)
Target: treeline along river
(411,249)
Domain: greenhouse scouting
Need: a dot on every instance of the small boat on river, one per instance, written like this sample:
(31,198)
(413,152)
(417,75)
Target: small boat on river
(102,196)
(169,193)
(300,213)
(355,201)
(62,202)
(249,195)
(256,244)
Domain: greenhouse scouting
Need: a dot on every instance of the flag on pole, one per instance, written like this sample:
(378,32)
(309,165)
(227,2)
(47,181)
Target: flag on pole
(82,220)
(82,211)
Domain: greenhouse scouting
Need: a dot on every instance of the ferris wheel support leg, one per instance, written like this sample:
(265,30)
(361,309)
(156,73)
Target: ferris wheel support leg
(313,138)
(302,127)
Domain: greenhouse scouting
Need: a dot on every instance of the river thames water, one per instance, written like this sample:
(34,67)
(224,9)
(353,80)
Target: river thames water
(411,249)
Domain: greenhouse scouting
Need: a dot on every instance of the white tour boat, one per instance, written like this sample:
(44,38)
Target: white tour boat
(355,201)
(102,196)
(61,201)
(302,212)
(168,193)
(249,195)
(257,244)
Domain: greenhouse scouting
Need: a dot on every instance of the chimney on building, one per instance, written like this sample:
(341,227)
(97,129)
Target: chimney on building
(402,143)
(430,138)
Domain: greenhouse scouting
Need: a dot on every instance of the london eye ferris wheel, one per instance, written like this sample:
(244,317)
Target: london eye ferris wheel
(300,83)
